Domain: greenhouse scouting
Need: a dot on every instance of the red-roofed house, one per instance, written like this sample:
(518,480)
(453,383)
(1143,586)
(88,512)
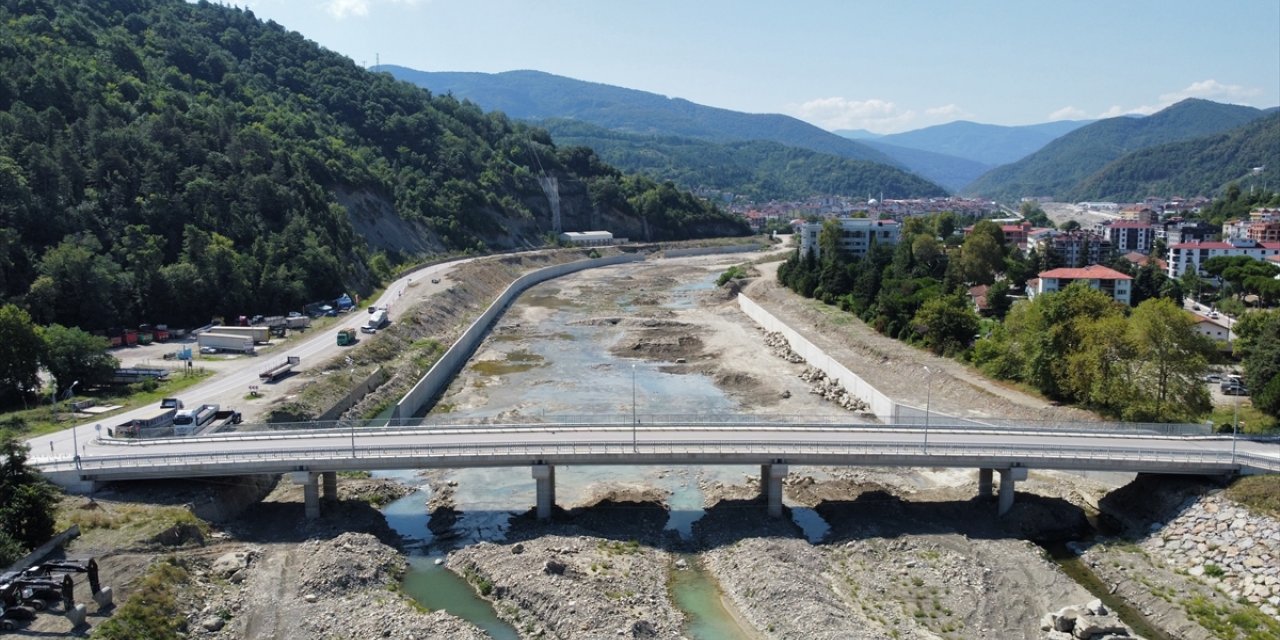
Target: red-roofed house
(1140,260)
(1131,236)
(1109,281)
(1188,255)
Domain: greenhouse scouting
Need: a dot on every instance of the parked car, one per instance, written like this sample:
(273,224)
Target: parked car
(1233,389)
(1213,377)
(208,350)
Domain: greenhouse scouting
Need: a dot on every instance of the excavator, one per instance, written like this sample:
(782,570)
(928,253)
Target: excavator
(23,594)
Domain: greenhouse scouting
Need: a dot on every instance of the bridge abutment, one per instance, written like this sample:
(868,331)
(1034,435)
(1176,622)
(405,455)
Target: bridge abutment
(1008,478)
(984,483)
(545,475)
(771,476)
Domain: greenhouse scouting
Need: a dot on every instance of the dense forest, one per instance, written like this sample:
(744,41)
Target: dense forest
(162,161)
(758,170)
(1248,154)
(1063,164)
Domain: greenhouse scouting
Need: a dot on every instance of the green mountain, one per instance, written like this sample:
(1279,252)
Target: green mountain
(1056,169)
(951,172)
(163,161)
(1247,155)
(989,144)
(756,169)
(534,95)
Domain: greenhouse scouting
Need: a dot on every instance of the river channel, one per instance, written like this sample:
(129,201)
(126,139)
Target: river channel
(552,355)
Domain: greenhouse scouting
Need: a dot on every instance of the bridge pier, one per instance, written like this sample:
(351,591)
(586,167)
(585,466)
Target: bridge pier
(984,483)
(771,476)
(310,493)
(545,475)
(329,479)
(1008,477)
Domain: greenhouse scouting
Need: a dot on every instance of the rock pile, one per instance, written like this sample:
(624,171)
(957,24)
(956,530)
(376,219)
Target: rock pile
(349,561)
(1088,622)
(779,346)
(1227,546)
(831,390)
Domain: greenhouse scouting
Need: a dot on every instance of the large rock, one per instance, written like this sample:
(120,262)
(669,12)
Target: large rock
(1087,627)
(229,563)
(1065,619)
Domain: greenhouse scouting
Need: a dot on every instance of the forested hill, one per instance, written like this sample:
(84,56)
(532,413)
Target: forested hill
(534,95)
(1061,165)
(757,169)
(162,161)
(1248,155)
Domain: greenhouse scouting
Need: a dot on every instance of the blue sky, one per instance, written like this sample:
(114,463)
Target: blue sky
(886,66)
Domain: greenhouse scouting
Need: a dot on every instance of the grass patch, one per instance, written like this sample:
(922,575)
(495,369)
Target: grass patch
(1251,419)
(152,609)
(1232,622)
(1259,493)
(515,362)
(28,423)
(736,272)
(360,475)
(125,524)
(614,547)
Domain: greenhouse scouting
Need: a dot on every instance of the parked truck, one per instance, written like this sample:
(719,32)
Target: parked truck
(279,369)
(225,342)
(260,335)
(297,322)
(346,337)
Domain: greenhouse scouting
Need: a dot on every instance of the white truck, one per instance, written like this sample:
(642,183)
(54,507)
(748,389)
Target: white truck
(259,335)
(377,320)
(208,418)
(225,342)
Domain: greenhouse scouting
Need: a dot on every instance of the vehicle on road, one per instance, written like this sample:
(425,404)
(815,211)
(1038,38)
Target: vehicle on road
(435,281)
(347,337)
(377,320)
(1233,389)
(279,369)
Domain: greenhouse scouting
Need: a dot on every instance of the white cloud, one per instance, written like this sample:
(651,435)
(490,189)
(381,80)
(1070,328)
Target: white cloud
(881,116)
(344,8)
(1067,113)
(1211,89)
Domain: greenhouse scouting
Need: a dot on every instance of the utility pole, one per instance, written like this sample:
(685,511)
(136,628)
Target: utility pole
(928,400)
(634,421)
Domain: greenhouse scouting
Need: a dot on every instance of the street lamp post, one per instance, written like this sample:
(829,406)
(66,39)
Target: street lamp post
(634,421)
(75,443)
(1235,430)
(928,400)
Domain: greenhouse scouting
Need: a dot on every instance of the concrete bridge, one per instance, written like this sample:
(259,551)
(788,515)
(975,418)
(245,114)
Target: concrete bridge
(315,456)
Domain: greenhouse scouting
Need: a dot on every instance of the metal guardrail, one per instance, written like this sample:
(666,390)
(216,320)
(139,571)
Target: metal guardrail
(937,453)
(938,422)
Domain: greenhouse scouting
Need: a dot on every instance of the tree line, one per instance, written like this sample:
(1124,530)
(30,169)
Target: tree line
(1078,345)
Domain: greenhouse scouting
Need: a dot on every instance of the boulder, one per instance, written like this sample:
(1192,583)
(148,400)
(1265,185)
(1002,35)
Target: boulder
(229,563)
(1087,627)
(554,567)
(213,623)
(1065,619)
(1096,608)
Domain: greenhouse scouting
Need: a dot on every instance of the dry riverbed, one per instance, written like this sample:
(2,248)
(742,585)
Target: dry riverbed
(909,553)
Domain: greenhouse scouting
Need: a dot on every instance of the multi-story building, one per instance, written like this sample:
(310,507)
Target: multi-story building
(1193,255)
(1073,248)
(1137,213)
(856,235)
(1109,281)
(1131,236)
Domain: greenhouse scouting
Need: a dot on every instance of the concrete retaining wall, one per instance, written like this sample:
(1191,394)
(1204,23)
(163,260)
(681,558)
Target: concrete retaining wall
(437,379)
(879,403)
(709,251)
(37,556)
(370,383)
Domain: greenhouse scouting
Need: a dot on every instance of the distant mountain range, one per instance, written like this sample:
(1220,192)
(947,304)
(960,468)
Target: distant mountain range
(952,172)
(1064,164)
(657,135)
(989,144)
(758,169)
(1248,154)
(534,95)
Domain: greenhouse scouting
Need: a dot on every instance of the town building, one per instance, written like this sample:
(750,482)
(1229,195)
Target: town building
(588,238)
(1109,281)
(1137,213)
(1177,231)
(1073,248)
(856,235)
(1131,236)
(1211,328)
(1193,255)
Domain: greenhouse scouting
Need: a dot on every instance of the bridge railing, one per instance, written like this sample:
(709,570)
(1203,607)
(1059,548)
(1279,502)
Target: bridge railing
(933,422)
(359,454)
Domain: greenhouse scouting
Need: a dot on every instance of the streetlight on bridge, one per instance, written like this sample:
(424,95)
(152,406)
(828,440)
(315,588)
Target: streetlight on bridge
(928,400)
(634,421)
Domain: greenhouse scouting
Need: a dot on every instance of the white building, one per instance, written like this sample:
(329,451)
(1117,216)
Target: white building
(1131,236)
(1109,281)
(1212,329)
(588,238)
(1193,255)
(856,235)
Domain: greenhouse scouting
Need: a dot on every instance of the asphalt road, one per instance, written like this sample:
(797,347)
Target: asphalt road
(317,347)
